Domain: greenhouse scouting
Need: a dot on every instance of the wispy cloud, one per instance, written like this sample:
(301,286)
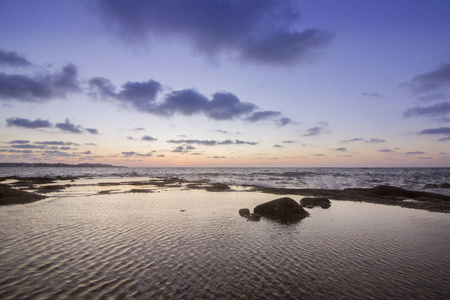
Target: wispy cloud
(313,131)
(261,32)
(375,141)
(436,110)
(351,140)
(371,95)
(70,127)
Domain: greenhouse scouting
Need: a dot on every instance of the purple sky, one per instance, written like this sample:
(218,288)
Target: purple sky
(225,83)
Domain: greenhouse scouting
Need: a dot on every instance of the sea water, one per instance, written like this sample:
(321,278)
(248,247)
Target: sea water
(190,244)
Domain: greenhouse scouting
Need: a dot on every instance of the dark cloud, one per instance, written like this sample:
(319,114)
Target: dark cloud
(92,130)
(11,58)
(68,126)
(238,142)
(260,31)
(26,123)
(436,110)
(56,153)
(148,138)
(375,141)
(39,88)
(341,149)
(435,131)
(386,150)
(430,81)
(179,149)
(20,142)
(289,142)
(351,140)
(277,146)
(142,96)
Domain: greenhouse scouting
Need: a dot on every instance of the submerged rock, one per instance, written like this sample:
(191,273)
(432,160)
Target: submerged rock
(284,210)
(10,196)
(312,202)
(244,212)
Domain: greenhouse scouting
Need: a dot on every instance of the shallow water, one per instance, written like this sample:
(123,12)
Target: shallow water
(193,244)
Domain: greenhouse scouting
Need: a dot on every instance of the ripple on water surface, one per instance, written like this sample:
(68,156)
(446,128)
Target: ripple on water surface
(193,244)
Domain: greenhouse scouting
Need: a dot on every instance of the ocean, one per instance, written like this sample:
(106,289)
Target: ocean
(96,239)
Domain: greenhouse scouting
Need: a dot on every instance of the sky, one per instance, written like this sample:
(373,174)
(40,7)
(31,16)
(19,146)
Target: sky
(260,83)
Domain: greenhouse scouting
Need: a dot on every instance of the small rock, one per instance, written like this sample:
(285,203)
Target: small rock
(430,186)
(244,212)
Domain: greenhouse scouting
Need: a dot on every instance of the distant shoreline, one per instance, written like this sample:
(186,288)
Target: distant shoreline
(57,165)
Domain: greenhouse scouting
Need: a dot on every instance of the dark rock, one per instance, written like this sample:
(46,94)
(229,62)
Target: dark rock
(244,212)
(284,210)
(254,217)
(218,187)
(10,196)
(320,201)
(444,185)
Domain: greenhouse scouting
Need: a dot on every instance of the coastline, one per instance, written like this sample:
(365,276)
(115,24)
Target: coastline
(19,190)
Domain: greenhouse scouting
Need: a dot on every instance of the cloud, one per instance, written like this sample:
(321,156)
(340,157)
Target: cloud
(20,142)
(211,142)
(263,32)
(57,143)
(436,110)
(386,151)
(285,121)
(68,126)
(289,142)
(26,123)
(351,140)
(433,97)
(313,131)
(11,58)
(341,149)
(39,88)
(142,96)
(435,131)
(92,130)
(28,146)
(148,138)
(262,115)
(430,81)
(371,95)
(414,153)
(132,153)
(277,146)
(444,139)
(375,141)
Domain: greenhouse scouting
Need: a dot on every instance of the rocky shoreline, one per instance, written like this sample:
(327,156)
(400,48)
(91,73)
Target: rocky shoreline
(31,187)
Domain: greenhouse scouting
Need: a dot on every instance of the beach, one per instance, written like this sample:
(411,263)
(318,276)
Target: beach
(165,238)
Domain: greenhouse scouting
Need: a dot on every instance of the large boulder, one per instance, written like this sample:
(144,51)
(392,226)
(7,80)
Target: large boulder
(284,210)
(312,202)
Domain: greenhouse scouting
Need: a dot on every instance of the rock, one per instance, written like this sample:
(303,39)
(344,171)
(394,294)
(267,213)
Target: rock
(218,187)
(254,217)
(283,210)
(320,201)
(445,186)
(244,212)
(10,196)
